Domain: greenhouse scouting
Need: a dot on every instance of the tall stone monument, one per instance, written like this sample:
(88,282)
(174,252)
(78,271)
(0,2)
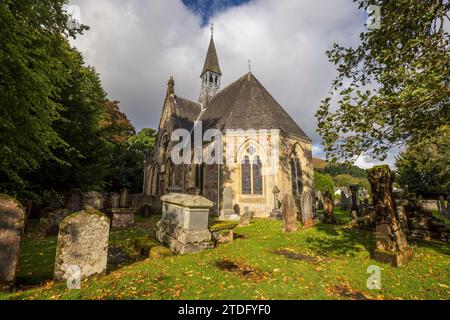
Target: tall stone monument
(391,244)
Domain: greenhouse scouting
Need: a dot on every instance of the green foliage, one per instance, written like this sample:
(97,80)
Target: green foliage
(392,88)
(84,162)
(344,180)
(127,168)
(336,168)
(424,167)
(323,182)
(32,37)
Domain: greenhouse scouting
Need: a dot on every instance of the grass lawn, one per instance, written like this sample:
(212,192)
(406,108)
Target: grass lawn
(322,262)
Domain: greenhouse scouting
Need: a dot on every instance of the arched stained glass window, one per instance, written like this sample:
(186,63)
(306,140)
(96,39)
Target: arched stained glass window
(293,176)
(246,176)
(299,177)
(257,176)
(296,175)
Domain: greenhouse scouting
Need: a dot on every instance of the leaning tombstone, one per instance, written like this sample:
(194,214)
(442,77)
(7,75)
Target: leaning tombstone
(74,200)
(391,243)
(93,200)
(12,224)
(289,213)
(82,244)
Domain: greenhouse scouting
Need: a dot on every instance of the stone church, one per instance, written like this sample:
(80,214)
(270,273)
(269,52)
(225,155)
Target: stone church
(264,156)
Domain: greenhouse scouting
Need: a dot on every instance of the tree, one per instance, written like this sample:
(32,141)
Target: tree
(344,180)
(323,182)
(84,160)
(127,169)
(424,168)
(394,87)
(116,127)
(32,37)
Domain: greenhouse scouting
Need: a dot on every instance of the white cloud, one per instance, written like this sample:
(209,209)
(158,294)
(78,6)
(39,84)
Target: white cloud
(137,45)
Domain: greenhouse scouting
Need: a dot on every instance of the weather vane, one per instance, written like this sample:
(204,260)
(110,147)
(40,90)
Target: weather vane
(249,66)
(212,29)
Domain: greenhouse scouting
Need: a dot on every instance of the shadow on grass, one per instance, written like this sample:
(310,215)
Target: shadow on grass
(441,247)
(341,240)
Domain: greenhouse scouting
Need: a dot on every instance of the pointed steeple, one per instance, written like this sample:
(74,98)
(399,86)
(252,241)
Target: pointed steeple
(211,73)
(211,61)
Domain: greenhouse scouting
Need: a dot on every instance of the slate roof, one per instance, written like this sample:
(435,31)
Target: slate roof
(211,60)
(246,104)
(186,112)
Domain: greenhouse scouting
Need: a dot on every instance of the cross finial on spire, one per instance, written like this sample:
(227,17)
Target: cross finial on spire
(212,29)
(249,66)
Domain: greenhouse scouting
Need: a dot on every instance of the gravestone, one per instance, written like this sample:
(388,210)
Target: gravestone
(83,243)
(391,244)
(246,217)
(289,213)
(306,209)
(124,201)
(93,200)
(184,223)
(53,220)
(276,211)
(75,200)
(328,208)
(12,224)
(121,217)
(442,207)
(355,205)
(228,210)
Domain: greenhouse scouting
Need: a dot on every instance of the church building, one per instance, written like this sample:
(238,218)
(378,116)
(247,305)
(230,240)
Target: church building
(263,154)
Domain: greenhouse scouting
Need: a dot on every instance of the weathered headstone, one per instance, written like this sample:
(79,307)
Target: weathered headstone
(74,200)
(12,223)
(306,209)
(124,198)
(355,205)
(276,211)
(184,223)
(228,211)
(93,200)
(121,217)
(391,244)
(83,243)
(289,213)
(328,207)
(246,218)
(53,220)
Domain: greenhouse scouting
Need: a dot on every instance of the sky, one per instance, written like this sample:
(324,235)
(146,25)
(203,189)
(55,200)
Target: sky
(136,45)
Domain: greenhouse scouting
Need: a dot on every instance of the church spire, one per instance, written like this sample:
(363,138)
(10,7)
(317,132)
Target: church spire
(211,61)
(211,73)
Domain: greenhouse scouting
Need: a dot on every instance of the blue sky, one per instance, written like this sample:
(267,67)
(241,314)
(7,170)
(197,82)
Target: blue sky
(207,8)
